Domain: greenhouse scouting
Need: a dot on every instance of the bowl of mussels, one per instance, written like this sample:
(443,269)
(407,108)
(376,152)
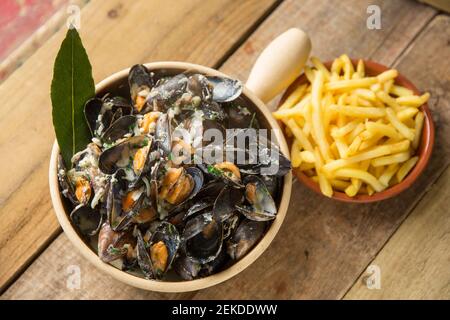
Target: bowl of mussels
(184,184)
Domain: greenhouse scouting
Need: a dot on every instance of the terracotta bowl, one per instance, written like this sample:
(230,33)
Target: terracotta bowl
(117,82)
(424,151)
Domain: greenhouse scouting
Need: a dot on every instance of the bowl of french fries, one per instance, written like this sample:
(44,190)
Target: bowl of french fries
(358,131)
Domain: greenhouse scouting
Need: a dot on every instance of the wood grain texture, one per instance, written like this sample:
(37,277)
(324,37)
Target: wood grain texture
(323,246)
(415,263)
(116,35)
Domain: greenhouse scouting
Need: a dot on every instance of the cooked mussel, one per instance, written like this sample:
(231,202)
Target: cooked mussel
(140,82)
(119,128)
(87,220)
(122,154)
(226,202)
(203,238)
(113,245)
(247,234)
(163,247)
(261,206)
(225,89)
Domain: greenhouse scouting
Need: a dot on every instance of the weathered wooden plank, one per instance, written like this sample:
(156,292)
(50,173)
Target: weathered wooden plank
(304,260)
(125,34)
(323,246)
(415,263)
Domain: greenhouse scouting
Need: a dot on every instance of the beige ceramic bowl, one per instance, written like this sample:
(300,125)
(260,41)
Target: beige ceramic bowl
(63,216)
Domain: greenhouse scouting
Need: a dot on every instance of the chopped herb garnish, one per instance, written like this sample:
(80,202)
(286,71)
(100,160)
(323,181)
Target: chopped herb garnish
(214,171)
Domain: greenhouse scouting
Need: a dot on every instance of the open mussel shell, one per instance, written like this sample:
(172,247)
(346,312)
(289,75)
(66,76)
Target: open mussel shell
(92,109)
(247,234)
(198,207)
(167,91)
(226,202)
(197,178)
(87,220)
(203,238)
(119,155)
(163,248)
(214,173)
(261,205)
(139,80)
(117,186)
(118,103)
(199,86)
(143,257)
(225,89)
(119,128)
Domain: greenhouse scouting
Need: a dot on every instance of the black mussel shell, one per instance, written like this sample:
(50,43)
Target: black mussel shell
(225,89)
(109,160)
(168,234)
(119,129)
(87,220)
(226,202)
(247,234)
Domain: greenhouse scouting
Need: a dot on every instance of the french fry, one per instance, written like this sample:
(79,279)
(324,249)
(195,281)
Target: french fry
(366,94)
(387,86)
(310,74)
(387,99)
(294,97)
(359,112)
(418,129)
(400,91)
(388,173)
(395,158)
(299,134)
(356,184)
(405,168)
(362,175)
(360,69)
(354,146)
(342,147)
(298,109)
(336,68)
(370,142)
(356,132)
(319,66)
(387,75)
(382,129)
(340,132)
(306,166)
(407,113)
(403,129)
(317,118)
(413,101)
(350,84)
(348,67)
(296,159)
(307,156)
(324,184)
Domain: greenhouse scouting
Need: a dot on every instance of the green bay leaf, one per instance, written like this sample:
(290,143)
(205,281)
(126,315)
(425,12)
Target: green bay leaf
(72,86)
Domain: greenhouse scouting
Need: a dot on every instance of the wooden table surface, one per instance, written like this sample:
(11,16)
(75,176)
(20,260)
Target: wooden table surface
(324,247)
